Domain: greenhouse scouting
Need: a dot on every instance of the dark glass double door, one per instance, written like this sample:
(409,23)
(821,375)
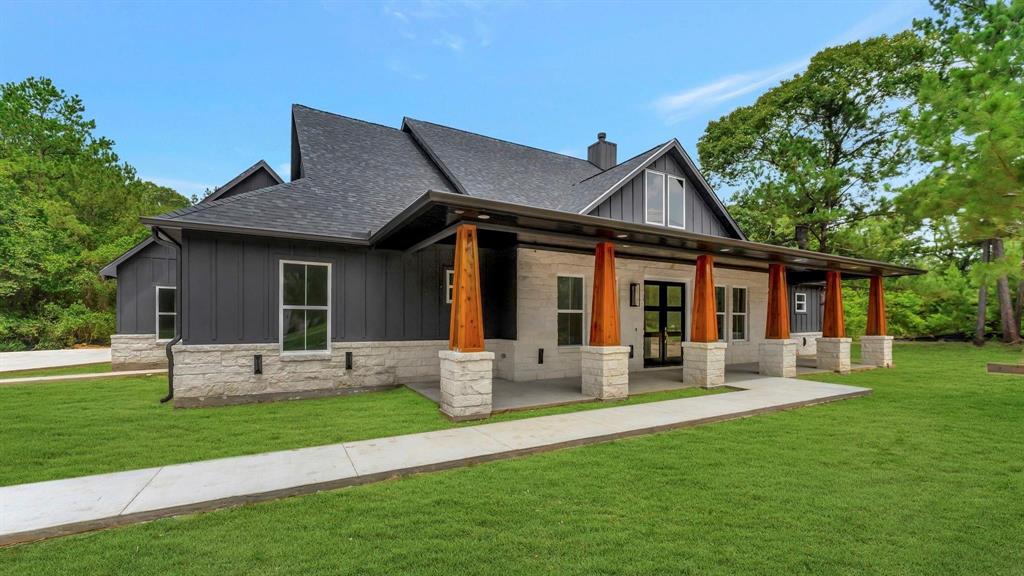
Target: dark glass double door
(664,323)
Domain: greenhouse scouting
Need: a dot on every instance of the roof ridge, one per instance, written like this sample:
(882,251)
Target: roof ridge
(497,139)
(648,151)
(343,117)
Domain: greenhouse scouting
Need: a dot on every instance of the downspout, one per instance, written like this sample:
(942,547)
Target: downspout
(165,240)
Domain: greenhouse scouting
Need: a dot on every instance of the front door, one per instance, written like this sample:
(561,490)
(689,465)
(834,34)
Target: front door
(664,316)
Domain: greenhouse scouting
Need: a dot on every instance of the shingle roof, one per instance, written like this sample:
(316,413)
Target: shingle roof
(591,189)
(261,165)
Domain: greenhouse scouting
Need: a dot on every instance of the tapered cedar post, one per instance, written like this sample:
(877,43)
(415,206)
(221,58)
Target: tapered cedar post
(604,313)
(777,327)
(833,325)
(704,327)
(876,308)
(466,331)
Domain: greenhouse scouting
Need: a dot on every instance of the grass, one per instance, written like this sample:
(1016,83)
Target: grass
(64,429)
(60,371)
(925,476)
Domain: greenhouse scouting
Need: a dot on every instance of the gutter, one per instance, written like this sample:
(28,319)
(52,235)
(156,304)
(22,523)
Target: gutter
(170,243)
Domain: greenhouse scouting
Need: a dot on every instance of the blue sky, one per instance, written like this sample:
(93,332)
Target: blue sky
(193,93)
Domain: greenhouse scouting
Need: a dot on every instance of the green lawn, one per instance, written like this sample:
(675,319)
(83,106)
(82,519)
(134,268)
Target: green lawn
(64,429)
(61,371)
(925,476)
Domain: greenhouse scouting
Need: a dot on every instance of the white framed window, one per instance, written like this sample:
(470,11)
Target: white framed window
(720,312)
(739,313)
(166,313)
(675,199)
(654,198)
(449,285)
(800,303)
(305,322)
(570,310)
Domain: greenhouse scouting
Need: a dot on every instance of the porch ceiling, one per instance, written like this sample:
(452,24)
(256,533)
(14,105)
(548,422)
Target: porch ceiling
(433,218)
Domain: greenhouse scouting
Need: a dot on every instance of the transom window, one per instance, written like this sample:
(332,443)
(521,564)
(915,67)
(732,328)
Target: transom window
(664,199)
(570,310)
(305,306)
(739,313)
(166,315)
(800,302)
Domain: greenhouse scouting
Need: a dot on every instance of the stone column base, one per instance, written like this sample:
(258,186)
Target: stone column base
(704,364)
(778,358)
(834,354)
(876,351)
(605,371)
(466,384)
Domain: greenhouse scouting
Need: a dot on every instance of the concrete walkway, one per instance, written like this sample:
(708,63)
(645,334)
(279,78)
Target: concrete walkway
(11,361)
(86,376)
(47,509)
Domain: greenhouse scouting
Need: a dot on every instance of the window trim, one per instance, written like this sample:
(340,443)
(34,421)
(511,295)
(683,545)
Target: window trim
(726,331)
(281,307)
(582,311)
(746,315)
(156,308)
(449,284)
(664,194)
(800,302)
(668,216)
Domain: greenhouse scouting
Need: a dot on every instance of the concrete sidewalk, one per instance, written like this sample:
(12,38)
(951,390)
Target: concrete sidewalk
(47,509)
(87,376)
(30,360)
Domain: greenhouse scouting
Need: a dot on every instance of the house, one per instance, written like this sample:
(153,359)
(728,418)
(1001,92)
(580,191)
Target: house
(399,255)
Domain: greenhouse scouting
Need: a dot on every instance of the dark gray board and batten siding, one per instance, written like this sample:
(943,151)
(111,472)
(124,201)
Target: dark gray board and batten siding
(232,284)
(627,203)
(137,279)
(809,321)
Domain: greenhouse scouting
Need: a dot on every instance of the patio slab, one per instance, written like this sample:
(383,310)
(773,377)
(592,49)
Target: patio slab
(59,507)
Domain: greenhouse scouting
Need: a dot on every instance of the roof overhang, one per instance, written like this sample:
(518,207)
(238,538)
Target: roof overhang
(435,215)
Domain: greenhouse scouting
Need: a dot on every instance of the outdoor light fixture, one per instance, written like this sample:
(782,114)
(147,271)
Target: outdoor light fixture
(725,249)
(634,295)
(622,235)
(800,260)
(483,217)
(460,211)
(257,364)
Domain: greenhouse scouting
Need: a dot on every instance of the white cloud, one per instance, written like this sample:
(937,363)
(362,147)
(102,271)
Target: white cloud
(690,101)
(183,187)
(454,42)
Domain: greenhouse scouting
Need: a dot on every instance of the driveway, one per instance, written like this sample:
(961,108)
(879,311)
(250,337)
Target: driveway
(11,361)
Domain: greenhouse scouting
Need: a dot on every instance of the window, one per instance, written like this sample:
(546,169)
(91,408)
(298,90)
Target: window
(720,312)
(570,310)
(449,285)
(305,306)
(676,202)
(739,313)
(166,315)
(654,197)
(800,302)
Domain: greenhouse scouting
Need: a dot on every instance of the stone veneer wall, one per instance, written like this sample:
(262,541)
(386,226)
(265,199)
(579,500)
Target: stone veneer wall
(223,373)
(137,352)
(806,343)
(537,309)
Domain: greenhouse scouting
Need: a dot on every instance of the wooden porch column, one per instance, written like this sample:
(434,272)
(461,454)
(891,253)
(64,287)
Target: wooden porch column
(466,330)
(703,354)
(704,325)
(876,345)
(604,312)
(778,304)
(834,346)
(777,354)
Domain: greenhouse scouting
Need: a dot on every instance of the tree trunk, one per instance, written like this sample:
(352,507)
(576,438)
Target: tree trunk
(1011,334)
(979,327)
(801,236)
(1018,312)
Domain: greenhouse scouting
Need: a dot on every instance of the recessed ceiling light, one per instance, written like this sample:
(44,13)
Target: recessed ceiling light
(800,260)
(460,211)
(622,235)
(626,246)
(483,217)
(725,249)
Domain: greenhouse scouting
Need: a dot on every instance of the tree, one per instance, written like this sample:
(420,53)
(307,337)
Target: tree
(67,207)
(968,123)
(814,154)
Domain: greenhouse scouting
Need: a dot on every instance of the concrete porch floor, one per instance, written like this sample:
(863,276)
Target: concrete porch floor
(507,396)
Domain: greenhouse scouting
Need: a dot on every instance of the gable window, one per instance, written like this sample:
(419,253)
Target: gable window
(166,314)
(654,198)
(676,201)
(449,284)
(720,312)
(570,310)
(305,306)
(739,313)
(800,302)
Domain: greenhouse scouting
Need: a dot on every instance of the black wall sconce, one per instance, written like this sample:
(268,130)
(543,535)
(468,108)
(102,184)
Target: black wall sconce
(257,364)
(540,355)
(634,294)
(348,360)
